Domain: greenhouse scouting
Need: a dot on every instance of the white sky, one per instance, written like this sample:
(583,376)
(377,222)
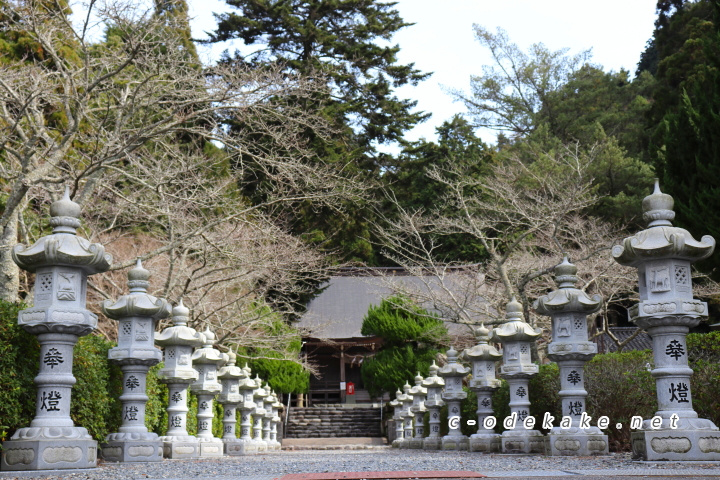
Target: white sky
(442,40)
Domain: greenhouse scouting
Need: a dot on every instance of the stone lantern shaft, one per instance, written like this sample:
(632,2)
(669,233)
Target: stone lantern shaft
(229,376)
(663,255)
(61,262)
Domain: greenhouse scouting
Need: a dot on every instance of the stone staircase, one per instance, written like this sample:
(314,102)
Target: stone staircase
(333,421)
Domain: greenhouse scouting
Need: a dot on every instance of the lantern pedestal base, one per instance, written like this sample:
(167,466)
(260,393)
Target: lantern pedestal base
(676,445)
(400,443)
(49,454)
(485,442)
(238,447)
(416,443)
(455,442)
(132,447)
(180,447)
(560,442)
(522,441)
(211,447)
(432,443)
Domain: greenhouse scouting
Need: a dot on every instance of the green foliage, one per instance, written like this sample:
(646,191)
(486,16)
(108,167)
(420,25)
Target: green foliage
(704,359)
(414,190)
(685,116)
(95,397)
(19,354)
(284,375)
(620,386)
(391,367)
(155,409)
(399,321)
(410,336)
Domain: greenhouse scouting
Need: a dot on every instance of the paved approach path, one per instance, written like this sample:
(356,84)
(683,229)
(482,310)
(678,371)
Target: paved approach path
(384,462)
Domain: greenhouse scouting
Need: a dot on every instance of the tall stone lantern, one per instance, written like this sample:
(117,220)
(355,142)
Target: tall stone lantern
(229,376)
(268,402)
(663,255)
(407,415)
(206,361)
(136,314)
(570,349)
(277,409)
(516,336)
(418,410)
(259,395)
(245,444)
(179,340)
(397,405)
(61,262)
(453,374)
(483,357)
(434,386)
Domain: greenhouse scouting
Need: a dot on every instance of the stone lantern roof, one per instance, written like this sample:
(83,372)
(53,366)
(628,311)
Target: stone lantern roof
(567,298)
(208,354)
(483,350)
(63,247)
(515,329)
(661,240)
(452,368)
(419,388)
(180,333)
(433,380)
(138,303)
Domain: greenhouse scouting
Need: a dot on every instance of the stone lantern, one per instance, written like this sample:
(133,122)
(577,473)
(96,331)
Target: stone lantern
(61,262)
(397,417)
(516,337)
(179,341)
(277,408)
(259,395)
(570,349)
(268,402)
(453,374)
(418,409)
(136,314)
(407,415)
(400,440)
(245,444)
(229,376)
(206,361)
(434,386)
(663,255)
(483,357)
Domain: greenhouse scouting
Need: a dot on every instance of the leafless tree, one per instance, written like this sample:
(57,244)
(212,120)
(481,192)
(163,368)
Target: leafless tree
(129,124)
(80,111)
(526,216)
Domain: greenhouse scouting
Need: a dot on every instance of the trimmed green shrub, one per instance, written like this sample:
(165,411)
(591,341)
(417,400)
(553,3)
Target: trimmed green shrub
(19,362)
(411,337)
(95,396)
(156,407)
(620,386)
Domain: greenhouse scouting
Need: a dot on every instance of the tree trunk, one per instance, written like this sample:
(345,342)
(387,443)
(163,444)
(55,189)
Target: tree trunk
(9,271)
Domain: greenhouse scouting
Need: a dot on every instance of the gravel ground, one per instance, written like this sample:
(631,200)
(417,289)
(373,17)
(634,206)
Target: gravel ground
(270,465)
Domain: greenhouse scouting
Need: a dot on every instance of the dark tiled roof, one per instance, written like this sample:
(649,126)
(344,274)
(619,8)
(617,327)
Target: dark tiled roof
(339,310)
(642,341)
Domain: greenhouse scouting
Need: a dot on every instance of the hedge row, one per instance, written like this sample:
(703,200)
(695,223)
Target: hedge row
(619,386)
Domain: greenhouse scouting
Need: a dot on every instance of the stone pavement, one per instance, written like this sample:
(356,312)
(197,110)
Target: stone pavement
(348,462)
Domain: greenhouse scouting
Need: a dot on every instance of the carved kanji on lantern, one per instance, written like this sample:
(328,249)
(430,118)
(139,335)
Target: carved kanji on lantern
(570,306)
(61,261)
(483,357)
(663,255)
